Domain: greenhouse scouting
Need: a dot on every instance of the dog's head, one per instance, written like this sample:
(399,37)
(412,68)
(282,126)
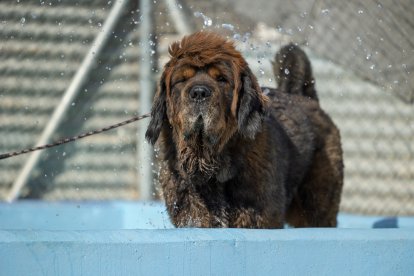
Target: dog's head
(206,94)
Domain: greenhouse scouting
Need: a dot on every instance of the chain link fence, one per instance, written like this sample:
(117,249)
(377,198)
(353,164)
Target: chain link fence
(371,99)
(362,54)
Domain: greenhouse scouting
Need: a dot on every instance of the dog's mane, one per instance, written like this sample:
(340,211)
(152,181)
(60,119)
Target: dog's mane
(205,47)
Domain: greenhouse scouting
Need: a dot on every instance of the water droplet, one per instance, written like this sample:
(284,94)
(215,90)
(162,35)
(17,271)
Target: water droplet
(245,37)
(22,20)
(207,20)
(286,71)
(64,153)
(73,104)
(360,11)
(229,27)
(325,11)
(372,67)
(90,21)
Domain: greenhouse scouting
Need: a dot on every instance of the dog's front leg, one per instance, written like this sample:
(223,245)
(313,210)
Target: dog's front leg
(188,209)
(250,218)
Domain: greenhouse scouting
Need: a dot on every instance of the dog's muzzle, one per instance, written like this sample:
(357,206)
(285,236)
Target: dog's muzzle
(199,93)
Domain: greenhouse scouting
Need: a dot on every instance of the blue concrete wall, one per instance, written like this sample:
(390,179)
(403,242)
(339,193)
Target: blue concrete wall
(115,215)
(99,215)
(40,238)
(208,252)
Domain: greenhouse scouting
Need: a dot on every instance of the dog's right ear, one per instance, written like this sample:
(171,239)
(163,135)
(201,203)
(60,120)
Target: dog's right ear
(251,104)
(158,112)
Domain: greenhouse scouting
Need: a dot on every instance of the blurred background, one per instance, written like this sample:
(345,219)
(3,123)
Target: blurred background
(68,67)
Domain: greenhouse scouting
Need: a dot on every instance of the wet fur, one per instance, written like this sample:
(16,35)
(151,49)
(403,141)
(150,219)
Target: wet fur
(242,158)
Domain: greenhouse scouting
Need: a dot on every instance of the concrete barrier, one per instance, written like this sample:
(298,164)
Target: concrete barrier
(127,238)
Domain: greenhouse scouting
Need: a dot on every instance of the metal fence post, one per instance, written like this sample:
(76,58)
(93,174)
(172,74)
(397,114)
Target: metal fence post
(146,88)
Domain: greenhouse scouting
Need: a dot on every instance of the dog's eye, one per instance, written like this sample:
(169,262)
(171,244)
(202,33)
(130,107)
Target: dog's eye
(221,78)
(178,81)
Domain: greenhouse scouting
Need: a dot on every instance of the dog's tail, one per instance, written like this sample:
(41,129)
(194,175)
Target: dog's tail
(293,72)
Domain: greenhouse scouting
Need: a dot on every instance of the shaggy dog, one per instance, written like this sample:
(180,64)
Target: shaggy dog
(235,156)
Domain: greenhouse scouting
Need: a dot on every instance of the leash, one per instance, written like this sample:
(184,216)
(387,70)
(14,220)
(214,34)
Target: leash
(74,138)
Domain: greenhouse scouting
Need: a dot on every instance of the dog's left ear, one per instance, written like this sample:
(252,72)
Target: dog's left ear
(251,105)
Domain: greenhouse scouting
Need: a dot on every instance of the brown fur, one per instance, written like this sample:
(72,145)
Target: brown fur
(235,157)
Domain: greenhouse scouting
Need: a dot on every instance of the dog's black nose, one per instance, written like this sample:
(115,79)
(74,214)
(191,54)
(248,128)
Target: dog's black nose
(199,92)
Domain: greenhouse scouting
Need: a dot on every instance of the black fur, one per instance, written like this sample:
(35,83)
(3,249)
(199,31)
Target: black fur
(158,113)
(251,108)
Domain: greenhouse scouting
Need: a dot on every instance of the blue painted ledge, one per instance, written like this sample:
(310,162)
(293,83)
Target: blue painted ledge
(40,238)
